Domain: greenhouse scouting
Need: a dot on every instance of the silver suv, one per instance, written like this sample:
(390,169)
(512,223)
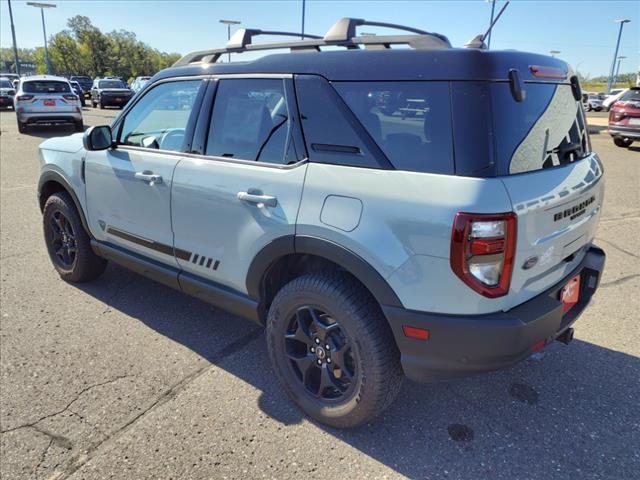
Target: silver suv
(426,212)
(47,100)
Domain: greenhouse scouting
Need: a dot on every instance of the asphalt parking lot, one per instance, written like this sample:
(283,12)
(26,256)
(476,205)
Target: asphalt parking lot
(124,378)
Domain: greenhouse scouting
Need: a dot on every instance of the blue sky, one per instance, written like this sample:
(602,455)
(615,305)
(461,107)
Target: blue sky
(584,31)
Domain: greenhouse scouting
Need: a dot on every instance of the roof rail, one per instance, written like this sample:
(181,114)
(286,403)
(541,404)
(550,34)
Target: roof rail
(342,33)
(345,29)
(244,37)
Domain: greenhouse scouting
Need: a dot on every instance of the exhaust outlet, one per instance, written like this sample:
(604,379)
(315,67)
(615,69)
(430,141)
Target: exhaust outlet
(566,336)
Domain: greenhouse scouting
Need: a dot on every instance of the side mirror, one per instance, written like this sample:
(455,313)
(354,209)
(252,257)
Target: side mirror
(98,138)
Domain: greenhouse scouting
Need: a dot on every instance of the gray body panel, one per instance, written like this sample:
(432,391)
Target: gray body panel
(210,221)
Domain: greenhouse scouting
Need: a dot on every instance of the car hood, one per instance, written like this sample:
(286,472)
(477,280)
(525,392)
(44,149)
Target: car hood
(69,144)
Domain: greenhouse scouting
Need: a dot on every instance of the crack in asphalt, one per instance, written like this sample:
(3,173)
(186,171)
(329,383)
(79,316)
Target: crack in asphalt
(42,457)
(619,248)
(76,398)
(620,280)
(76,462)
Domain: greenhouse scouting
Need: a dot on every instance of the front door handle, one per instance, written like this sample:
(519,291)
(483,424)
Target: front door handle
(149,177)
(267,200)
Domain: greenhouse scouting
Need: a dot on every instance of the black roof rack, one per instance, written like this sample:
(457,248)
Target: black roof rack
(342,33)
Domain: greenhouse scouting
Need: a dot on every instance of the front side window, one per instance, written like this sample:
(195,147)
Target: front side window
(45,86)
(410,121)
(250,121)
(160,118)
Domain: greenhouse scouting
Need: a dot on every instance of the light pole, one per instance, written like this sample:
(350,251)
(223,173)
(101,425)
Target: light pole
(42,6)
(615,77)
(303,11)
(228,23)
(493,9)
(554,52)
(615,55)
(15,46)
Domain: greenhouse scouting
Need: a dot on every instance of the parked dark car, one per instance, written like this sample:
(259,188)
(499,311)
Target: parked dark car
(624,118)
(77,88)
(7,93)
(110,92)
(85,82)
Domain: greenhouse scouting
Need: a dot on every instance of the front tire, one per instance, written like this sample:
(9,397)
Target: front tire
(622,142)
(68,244)
(332,349)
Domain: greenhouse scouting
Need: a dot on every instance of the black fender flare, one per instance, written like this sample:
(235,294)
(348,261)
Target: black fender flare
(320,247)
(57,177)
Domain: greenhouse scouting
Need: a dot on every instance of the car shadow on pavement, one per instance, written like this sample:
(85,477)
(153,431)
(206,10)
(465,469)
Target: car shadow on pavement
(573,409)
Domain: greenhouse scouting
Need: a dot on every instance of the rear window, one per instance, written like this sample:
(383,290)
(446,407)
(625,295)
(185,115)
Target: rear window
(409,121)
(630,96)
(111,84)
(5,84)
(45,86)
(545,130)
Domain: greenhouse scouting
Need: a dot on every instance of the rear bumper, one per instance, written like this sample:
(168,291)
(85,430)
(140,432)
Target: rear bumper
(53,117)
(6,101)
(112,101)
(624,132)
(461,345)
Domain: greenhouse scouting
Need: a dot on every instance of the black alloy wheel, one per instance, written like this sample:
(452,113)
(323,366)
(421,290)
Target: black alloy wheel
(320,354)
(63,240)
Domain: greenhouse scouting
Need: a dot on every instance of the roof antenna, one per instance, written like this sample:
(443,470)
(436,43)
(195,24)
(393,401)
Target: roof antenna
(478,40)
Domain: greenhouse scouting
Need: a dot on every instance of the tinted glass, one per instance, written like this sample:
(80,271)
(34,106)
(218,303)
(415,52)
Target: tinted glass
(547,129)
(111,84)
(5,84)
(631,96)
(331,131)
(250,121)
(410,121)
(160,118)
(45,86)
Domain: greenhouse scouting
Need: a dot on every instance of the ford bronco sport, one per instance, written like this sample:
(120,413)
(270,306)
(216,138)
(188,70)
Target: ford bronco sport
(426,212)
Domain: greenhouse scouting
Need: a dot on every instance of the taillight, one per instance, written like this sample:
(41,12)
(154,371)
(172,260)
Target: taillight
(482,251)
(544,71)
(70,97)
(25,97)
(617,112)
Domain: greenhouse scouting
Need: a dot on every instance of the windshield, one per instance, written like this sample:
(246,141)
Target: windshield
(45,86)
(631,96)
(5,84)
(111,84)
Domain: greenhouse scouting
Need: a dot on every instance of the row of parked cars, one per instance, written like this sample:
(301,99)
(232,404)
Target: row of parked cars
(602,101)
(48,99)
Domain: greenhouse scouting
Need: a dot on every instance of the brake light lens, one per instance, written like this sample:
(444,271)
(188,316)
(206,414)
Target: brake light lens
(543,71)
(482,251)
(25,97)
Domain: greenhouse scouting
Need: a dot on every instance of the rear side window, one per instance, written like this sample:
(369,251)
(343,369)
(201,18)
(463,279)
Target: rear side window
(545,130)
(250,121)
(45,86)
(409,121)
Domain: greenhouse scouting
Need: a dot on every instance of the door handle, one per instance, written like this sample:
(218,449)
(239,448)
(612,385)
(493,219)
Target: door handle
(267,200)
(148,177)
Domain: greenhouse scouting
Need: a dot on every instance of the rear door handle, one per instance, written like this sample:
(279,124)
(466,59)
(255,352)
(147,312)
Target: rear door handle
(149,177)
(267,200)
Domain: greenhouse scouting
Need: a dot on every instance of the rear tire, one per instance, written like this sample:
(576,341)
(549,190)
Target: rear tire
(359,375)
(68,243)
(22,127)
(622,142)
(80,126)
(101,105)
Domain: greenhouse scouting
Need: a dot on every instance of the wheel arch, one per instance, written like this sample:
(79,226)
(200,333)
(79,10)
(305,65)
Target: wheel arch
(52,182)
(290,251)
